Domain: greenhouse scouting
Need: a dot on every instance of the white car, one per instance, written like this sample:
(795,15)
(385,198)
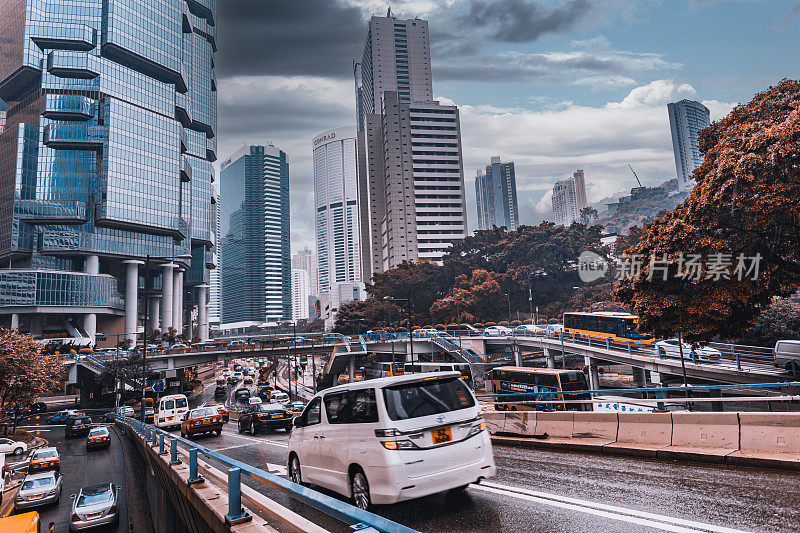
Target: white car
(391,439)
(673,348)
(498,331)
(38,490)
(554,328)
(530,330)
(12,447)
(280,397)
(254,400)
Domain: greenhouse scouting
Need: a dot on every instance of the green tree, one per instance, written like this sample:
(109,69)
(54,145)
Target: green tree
(476,297)
(370,314)
(744,203)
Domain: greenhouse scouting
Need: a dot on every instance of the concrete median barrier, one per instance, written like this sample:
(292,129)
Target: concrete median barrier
(767,439)
(642,434)
(520,423)
(495,421)
(555,424)
(703,434)
(600,427)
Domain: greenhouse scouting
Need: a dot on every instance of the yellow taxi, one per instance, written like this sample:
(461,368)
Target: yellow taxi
(201,420)
(44,459)
(23,523)
(98,438)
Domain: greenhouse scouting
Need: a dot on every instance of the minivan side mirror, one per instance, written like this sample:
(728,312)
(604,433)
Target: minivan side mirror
(298,423)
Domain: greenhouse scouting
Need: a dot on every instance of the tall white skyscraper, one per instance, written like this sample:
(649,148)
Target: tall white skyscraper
(686,119)
(336,208)
(569,197)
(300,293)
(306,259)
(215,279)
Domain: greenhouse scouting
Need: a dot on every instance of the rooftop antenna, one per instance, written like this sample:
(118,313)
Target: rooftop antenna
(634,174)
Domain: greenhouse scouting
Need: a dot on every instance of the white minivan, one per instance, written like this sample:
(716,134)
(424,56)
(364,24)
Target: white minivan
(787,354)
(390,439)
(170,411)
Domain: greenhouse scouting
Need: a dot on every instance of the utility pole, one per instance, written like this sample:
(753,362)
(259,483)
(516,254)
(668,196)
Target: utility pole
(530,301)
(313,367)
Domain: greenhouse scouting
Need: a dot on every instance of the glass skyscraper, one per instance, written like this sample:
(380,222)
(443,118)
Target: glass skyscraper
(686,119)
(106,159)
(255,253)
(496,195)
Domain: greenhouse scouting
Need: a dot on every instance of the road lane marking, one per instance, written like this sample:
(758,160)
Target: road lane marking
(252,439)
(663,522)
(230,447)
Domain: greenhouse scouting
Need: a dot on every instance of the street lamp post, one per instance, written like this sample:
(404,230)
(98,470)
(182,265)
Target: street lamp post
(410,333)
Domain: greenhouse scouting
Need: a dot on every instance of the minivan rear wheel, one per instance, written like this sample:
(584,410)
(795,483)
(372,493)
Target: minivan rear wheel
(361,498)
(294,470)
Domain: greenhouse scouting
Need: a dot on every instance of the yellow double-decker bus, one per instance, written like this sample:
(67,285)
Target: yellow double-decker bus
(619,327)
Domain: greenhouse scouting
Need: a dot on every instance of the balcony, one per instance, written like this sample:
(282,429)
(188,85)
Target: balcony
(70,64)
(50,212)
(186,169)
(63,36)
(75,136)
(67,107)
(183,109)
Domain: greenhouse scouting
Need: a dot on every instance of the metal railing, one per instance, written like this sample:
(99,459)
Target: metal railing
(357,519)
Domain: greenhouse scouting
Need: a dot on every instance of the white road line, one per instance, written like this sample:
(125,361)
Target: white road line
(663,522)
(230,447)
(253,439)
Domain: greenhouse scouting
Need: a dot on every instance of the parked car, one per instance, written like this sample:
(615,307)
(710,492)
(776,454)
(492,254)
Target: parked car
(94,506)
(462,330)
(787,355)
(122,410)
(62,416)
(262,416)
(673,348)
(77,426)
(43,459)
(392,439)
(201,420)
(98,438)
(15,447)
(242,395)
(38,490)
(498,331)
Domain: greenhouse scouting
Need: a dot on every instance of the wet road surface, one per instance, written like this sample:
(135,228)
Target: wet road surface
(565,492)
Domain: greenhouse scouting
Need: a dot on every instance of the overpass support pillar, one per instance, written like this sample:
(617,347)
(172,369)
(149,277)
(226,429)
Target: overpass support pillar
(517,351)
(639,378)
(716,406)
(594,375)
(352,368)
(551,357)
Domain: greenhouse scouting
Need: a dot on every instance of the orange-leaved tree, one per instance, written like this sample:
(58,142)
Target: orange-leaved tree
(475,297)
(744,206)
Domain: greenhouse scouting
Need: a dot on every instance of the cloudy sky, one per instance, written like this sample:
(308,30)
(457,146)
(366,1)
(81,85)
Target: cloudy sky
(552,85)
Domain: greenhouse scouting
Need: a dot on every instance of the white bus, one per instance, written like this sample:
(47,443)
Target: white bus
(171,410)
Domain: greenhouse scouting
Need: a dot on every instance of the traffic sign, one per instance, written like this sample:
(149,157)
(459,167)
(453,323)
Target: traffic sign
(158,386)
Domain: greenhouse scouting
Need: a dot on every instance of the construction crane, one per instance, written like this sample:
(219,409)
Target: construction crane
(634,175)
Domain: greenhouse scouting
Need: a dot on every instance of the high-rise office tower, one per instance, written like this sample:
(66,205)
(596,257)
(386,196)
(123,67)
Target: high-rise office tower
(496,194)
(336,208)
(686,119)
(105,160)
(410,165)
(569,198)
(307,260)
(300,293)
(255,252)
(215,278)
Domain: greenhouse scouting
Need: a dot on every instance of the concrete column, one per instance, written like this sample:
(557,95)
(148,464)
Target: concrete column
(551,358)
(155,312)
(167,285)
(594,376)
(132,299)
(639,378)
(91,266)
(517,355)
(177,302)
(352,368)
(15,321)
(202,312)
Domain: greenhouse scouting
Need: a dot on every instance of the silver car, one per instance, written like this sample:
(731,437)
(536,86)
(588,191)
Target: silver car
(94,506)
(38,490)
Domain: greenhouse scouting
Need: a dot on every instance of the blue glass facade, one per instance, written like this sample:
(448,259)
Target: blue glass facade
(107,151)
(255,252)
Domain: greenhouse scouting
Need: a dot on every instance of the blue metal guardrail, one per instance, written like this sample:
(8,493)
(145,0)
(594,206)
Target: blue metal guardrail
(357,519)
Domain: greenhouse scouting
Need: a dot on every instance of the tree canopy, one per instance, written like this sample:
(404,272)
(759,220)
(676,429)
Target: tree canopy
(25,372)
(744,204)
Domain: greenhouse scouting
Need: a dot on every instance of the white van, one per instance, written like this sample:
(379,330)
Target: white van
(391,439)
(786,352)
(170,411)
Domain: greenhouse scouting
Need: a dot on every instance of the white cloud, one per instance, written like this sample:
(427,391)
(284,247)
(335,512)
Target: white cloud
(658,92)
(605,82)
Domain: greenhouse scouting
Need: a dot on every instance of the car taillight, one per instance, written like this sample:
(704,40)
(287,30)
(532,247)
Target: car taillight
(113,509)
(387,433)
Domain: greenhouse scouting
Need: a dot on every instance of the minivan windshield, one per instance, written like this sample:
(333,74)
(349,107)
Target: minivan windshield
(414,400)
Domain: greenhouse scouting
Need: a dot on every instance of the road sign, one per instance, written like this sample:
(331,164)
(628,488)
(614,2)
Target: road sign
(158,386)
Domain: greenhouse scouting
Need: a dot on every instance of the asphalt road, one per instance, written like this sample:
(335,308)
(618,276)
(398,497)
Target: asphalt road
(82,469)
(566,492)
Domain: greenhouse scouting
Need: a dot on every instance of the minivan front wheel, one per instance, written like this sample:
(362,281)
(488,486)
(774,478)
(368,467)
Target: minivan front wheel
(360,486)
(294,470)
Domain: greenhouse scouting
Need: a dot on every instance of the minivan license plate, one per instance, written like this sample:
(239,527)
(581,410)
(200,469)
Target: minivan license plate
(441,435)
